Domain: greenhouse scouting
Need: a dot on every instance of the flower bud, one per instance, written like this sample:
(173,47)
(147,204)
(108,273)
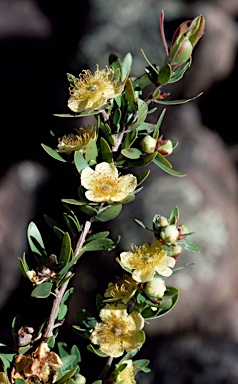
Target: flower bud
(181,51)
(175,250)
(165,147)
(169,234)
(184,40)
(155,287)
(161,221)
(148,144)
(183,231)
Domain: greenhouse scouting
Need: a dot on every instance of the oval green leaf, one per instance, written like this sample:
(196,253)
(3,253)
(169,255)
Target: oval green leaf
(43,290)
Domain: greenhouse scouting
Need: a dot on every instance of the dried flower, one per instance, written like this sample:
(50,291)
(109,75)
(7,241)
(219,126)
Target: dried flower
(124,289)
(118,331)
(39,366)
(77,141)
(105,185)
(91,91)
(127,374)
(4,378)
(147,260)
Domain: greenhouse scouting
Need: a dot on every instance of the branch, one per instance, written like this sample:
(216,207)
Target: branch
(60,292)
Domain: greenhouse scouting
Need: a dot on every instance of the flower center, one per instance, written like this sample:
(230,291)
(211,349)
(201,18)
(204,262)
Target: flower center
(117,330)
(92,88)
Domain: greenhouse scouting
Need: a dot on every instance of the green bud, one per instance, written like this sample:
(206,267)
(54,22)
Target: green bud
(181,52)
(169,234)
(155,287)
(183,231)
(148,144)
(165,147)
(175,250)
(184,40)
(161,221)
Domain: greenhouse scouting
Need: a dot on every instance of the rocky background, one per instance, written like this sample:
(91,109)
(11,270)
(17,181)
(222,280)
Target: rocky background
(197,342)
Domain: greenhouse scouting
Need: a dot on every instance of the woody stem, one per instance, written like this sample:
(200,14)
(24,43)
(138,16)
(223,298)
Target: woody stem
(60,292)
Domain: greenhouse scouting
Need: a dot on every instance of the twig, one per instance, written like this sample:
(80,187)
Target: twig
(60,292)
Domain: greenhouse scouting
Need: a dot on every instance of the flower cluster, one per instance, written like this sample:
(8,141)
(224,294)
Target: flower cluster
(104,156)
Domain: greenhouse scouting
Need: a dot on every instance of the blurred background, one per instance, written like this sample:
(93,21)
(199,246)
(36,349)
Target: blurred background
(197,342)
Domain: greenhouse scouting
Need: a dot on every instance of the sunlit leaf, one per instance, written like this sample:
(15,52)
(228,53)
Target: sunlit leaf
(53,153)
(79,161)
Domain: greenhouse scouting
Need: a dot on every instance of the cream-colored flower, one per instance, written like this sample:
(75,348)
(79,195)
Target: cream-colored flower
(77,141)
(39,366)
(124,289)
(147,260)
(118,331)
(92,91)
(105,185)
(127,374)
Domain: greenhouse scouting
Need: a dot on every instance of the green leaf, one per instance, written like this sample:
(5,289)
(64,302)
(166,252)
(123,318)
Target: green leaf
(163,160)
(141,178)
(126,66)
(67,360)
(99,235)
(107,132)
(108,213)
(171,291)
(168,170)
(115,63)
(165,74)
(176,102)
(141,365)
(67,376)
(75,351)
(20,381)
(174,215)
(150,64)
(142,114)
(116,121)
(130,94)
(190,246)
(35,240)
(89,210)
(76,115)
(63,308)
(159,122)
(99,245)
(96,351)
(106,151)
(43,290)
(53,153)
(130,137)
(66,249)
(74,202)
(143,160)
(23,266)
(64,270)
(79,162)
(179,72)
(91,151)
(131,153)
